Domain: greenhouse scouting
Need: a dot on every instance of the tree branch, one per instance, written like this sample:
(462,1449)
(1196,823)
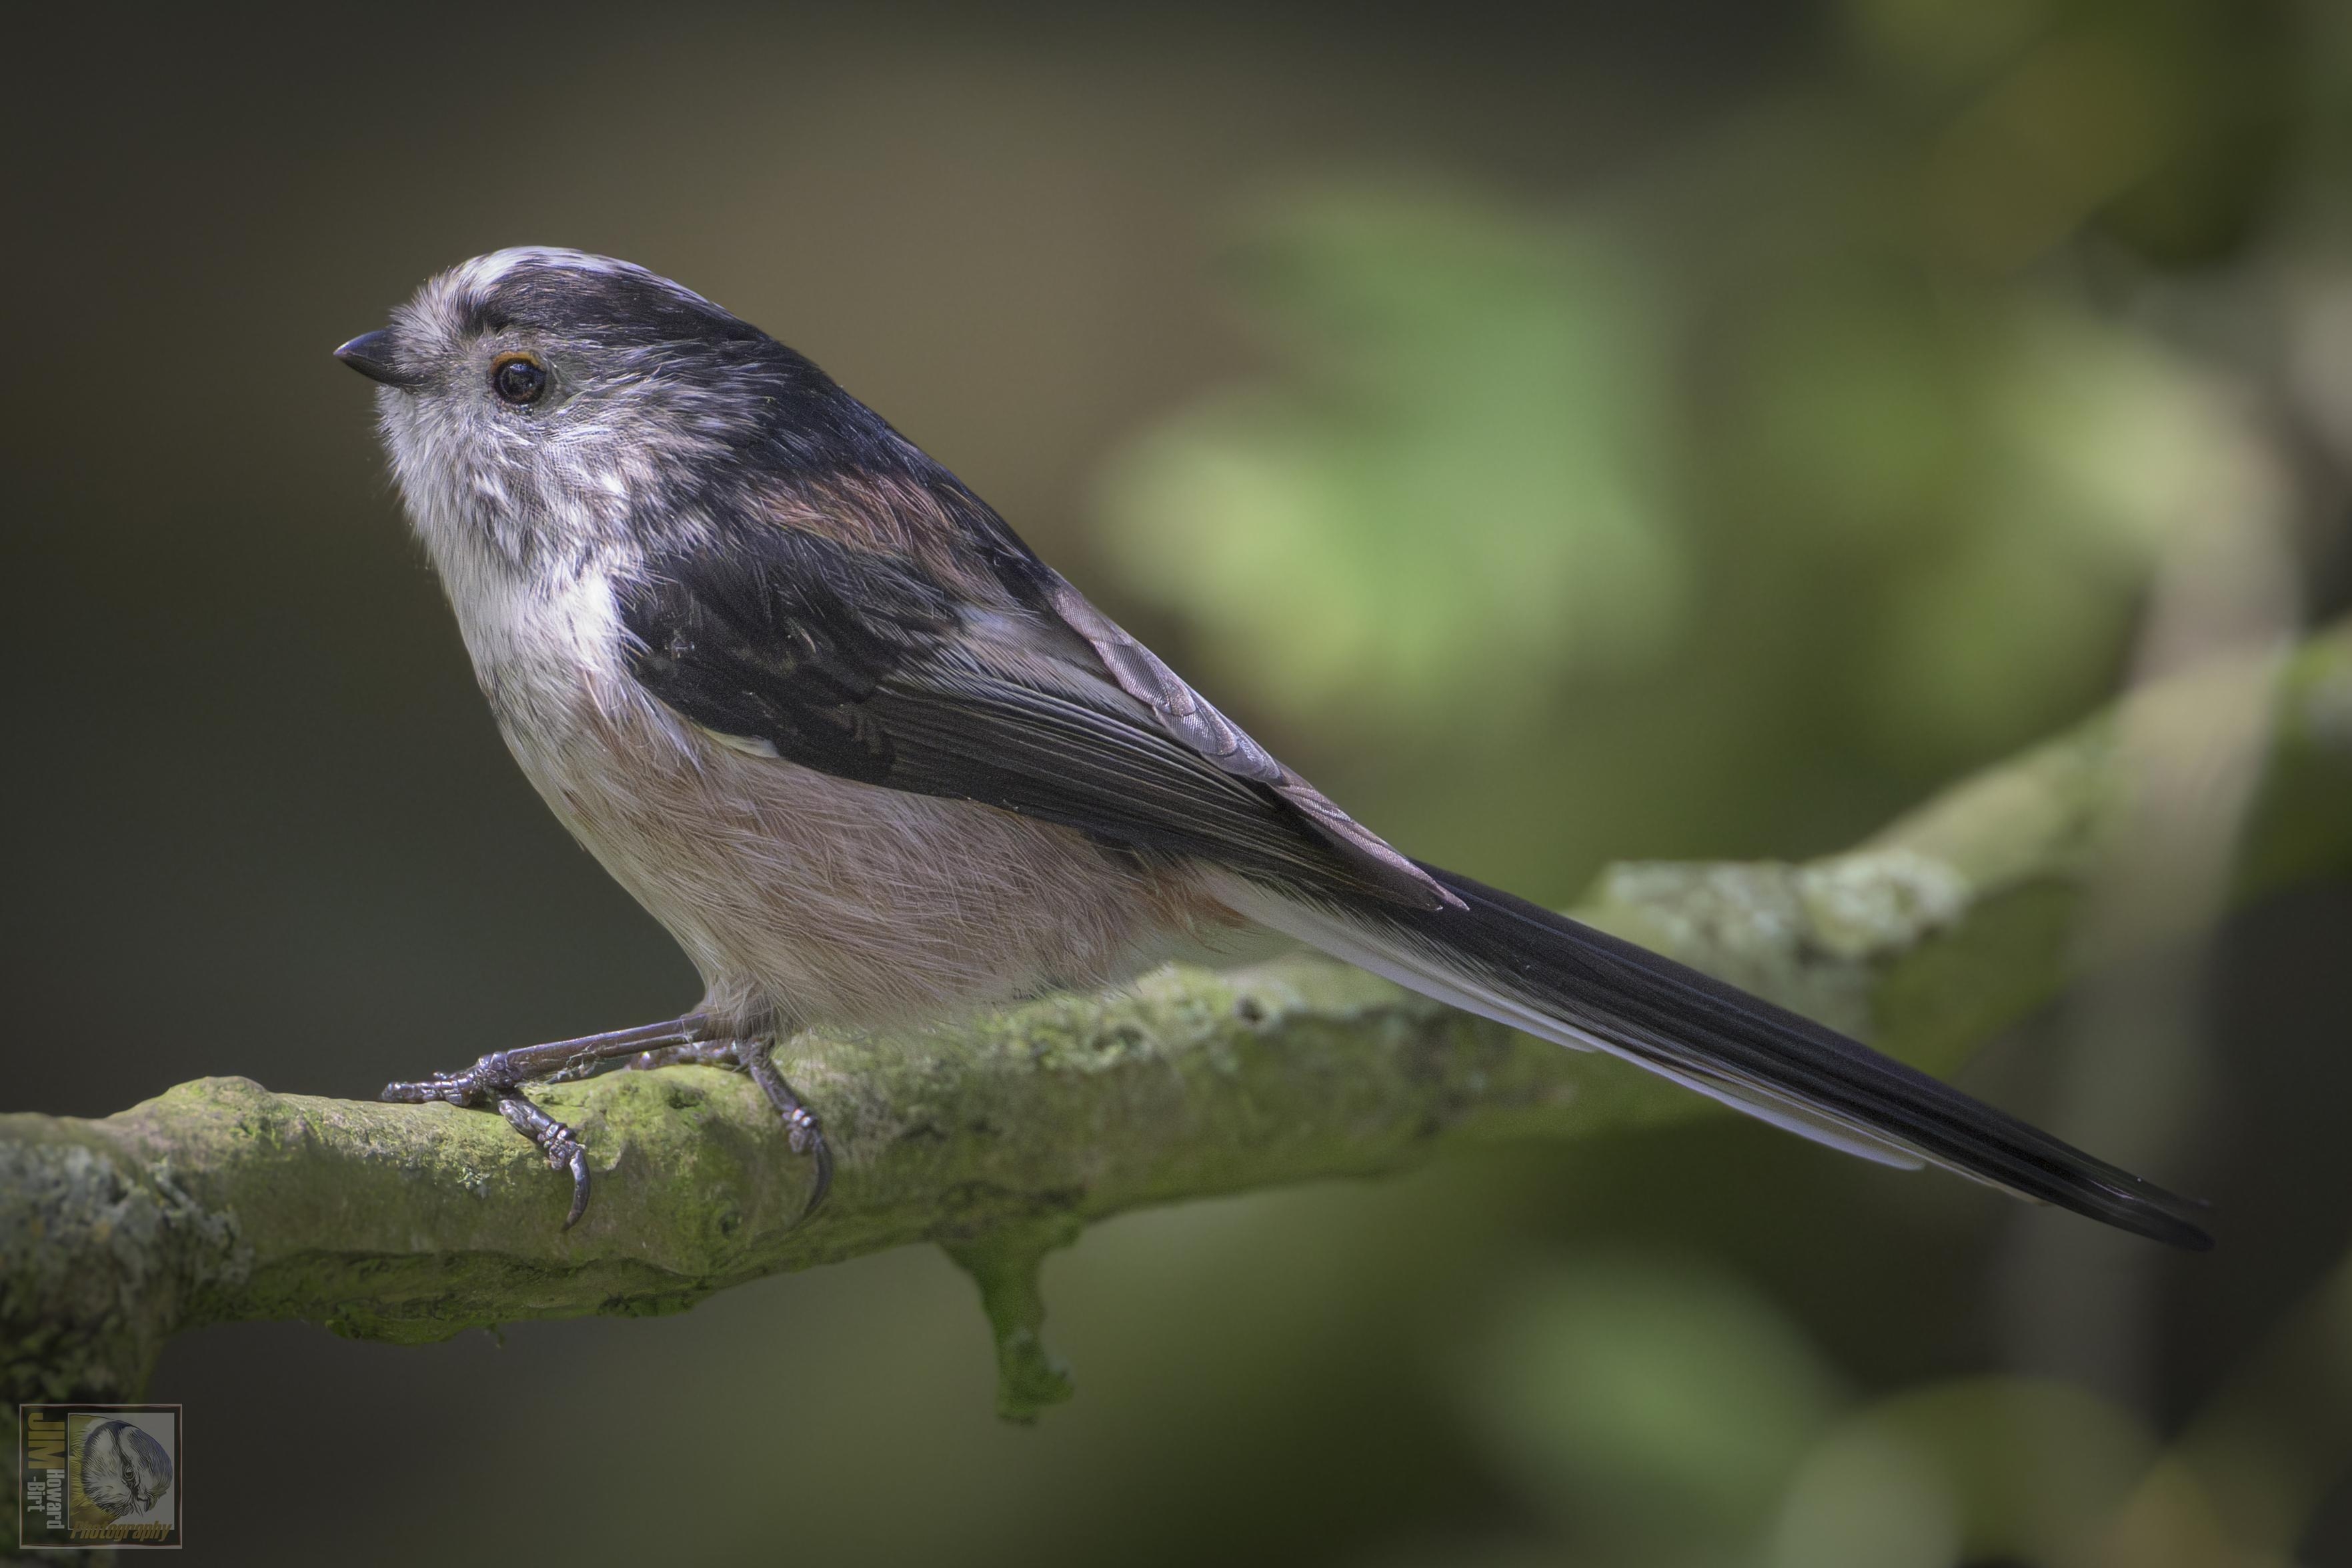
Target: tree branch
(1001,1138)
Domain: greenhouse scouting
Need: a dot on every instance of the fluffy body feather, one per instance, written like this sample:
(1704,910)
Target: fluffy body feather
(814,704)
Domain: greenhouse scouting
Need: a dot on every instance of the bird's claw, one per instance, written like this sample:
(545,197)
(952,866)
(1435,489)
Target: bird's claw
(562,1146)
(751,1057)
(800,1129)
(807,1138)
(496,1080)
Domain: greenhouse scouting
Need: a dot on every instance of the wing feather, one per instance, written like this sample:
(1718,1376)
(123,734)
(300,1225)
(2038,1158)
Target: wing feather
(865,667)
(1191,718)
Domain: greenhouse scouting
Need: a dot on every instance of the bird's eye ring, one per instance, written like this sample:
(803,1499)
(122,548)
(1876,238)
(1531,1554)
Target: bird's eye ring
(518,379)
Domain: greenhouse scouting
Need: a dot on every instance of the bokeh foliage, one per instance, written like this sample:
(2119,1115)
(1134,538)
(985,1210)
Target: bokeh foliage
(1855,434)
(1847,422)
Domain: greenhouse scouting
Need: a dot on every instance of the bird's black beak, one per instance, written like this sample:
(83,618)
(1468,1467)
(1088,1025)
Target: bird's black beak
(369,353)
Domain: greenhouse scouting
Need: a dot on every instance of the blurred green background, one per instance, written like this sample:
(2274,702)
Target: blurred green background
(1692,429)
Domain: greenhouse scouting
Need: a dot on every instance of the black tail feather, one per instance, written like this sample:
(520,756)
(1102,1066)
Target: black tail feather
(1638,1004)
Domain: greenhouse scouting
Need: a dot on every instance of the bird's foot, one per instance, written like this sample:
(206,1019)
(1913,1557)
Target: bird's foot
(497,1081)
(756,1059)
(562,1146)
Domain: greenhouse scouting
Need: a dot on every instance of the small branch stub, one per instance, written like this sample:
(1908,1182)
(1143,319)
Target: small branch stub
(1006,1264)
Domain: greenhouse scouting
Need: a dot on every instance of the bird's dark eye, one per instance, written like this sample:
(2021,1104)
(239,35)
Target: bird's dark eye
(518,379)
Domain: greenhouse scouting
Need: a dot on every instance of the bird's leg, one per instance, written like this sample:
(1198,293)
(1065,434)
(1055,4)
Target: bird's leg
(756,1059)
(497,1081)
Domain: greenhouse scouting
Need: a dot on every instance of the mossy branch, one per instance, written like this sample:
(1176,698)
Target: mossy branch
(220,1200)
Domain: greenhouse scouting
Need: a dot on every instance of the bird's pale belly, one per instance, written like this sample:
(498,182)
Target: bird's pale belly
(806,899)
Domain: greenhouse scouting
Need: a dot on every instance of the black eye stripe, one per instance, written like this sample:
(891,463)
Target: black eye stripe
(518,379)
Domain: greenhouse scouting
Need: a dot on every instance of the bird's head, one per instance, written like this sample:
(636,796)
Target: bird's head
(123,1468)
(547,403)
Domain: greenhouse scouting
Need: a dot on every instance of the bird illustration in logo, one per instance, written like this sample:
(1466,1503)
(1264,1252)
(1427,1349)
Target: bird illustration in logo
(124,1470)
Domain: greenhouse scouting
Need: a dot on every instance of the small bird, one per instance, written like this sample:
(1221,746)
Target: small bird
(869,759)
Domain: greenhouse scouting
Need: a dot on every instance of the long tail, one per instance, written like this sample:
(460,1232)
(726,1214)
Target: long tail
(1507,959)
